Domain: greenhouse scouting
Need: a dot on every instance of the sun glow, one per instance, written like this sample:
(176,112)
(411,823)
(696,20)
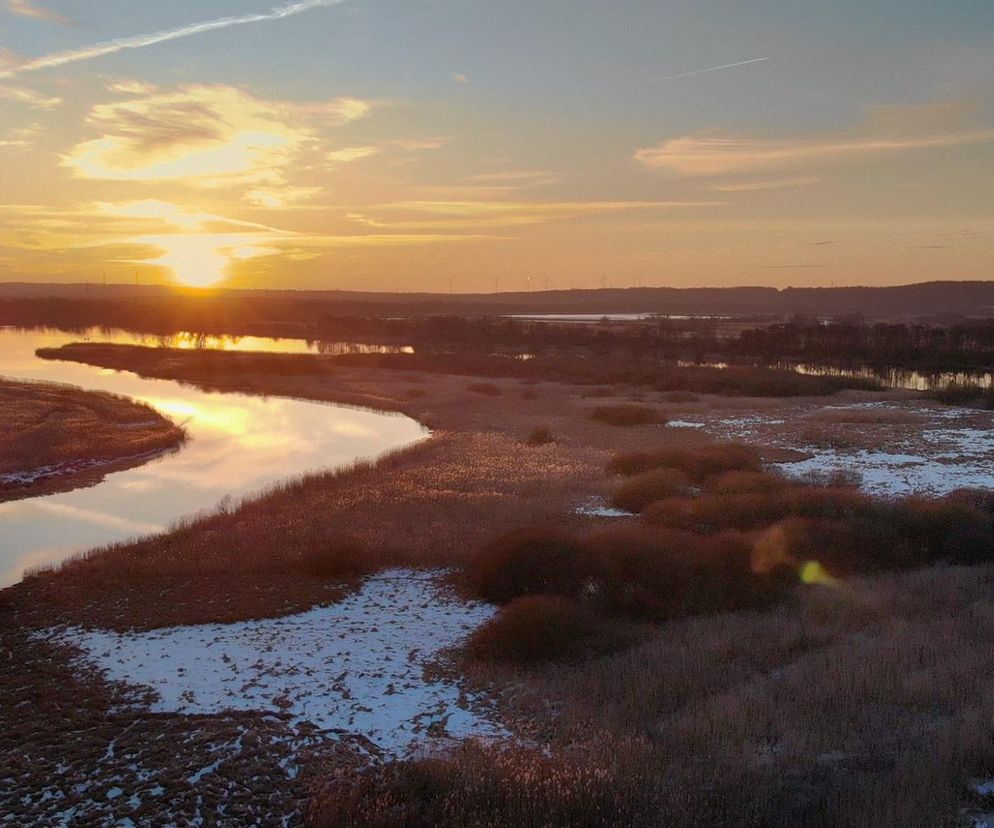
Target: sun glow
(193,260)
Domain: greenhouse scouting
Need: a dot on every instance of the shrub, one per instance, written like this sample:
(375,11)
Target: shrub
(698,463)
(958,393)
(536,628)
(626,415)
(639,491)
(530,562)
(487,388)
(658,575)
(740,482)
(540,436)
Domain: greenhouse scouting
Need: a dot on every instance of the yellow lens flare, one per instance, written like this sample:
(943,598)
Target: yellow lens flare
(812,572)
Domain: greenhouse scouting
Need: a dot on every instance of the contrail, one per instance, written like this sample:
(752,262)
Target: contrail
(109,47)
(705,71)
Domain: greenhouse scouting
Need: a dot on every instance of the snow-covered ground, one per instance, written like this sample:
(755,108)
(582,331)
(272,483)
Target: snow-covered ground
(952,448)
(598,507)
(364,667)
(30,476)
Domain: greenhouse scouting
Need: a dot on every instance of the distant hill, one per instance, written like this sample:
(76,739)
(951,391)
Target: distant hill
(927,299)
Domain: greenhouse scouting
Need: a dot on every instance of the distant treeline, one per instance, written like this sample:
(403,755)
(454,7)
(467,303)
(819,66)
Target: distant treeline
(964,346)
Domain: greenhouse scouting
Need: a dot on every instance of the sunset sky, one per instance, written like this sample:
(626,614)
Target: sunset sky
(476,144)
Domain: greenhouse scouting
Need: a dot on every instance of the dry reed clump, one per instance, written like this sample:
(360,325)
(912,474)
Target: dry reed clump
(964,393)
(639,491)
(650,575)
(824,439)
(529,562)
(633,574)
(627,415)
(698,463)
(537,628)
(868,416)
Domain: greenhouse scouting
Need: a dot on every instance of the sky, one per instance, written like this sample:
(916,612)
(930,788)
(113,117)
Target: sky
(481,145)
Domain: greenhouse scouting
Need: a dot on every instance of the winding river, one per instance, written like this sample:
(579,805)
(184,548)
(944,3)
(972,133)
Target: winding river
(238,445)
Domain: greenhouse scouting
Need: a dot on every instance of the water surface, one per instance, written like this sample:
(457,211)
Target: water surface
(238,445)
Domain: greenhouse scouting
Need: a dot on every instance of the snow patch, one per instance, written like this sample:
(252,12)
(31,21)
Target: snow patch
(597,507)
(362,666)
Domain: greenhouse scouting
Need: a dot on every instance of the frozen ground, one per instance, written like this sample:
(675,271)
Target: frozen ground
(365,667)
(950,448)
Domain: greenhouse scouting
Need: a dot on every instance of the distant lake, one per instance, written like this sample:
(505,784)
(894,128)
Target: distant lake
(238,445)
(588,318)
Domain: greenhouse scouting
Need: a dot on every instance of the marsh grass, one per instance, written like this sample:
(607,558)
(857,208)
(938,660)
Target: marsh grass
(49,426)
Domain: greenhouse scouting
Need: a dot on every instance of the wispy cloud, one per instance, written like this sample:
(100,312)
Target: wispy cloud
(29,97)
(109,47)
(452,215)
(25,8)
(710,69)
(888,130)
(765,184)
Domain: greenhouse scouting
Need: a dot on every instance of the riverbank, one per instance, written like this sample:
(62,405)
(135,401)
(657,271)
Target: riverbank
(58,437)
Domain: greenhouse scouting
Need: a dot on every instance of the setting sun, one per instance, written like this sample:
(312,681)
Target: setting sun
(193,260)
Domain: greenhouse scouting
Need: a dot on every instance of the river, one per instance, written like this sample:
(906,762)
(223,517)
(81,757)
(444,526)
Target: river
(238,445)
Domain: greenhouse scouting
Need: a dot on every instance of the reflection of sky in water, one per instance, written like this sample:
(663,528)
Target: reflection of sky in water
(238,445)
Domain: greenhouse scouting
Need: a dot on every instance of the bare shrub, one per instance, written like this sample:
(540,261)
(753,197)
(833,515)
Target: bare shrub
(486,388)
(538,628)
(631,414)
(740,482)
(653,575)
(529,562)
(639,491)
(875,415)
(697,463)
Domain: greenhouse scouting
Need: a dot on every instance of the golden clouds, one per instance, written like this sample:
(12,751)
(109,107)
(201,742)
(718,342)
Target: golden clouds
(206,135)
